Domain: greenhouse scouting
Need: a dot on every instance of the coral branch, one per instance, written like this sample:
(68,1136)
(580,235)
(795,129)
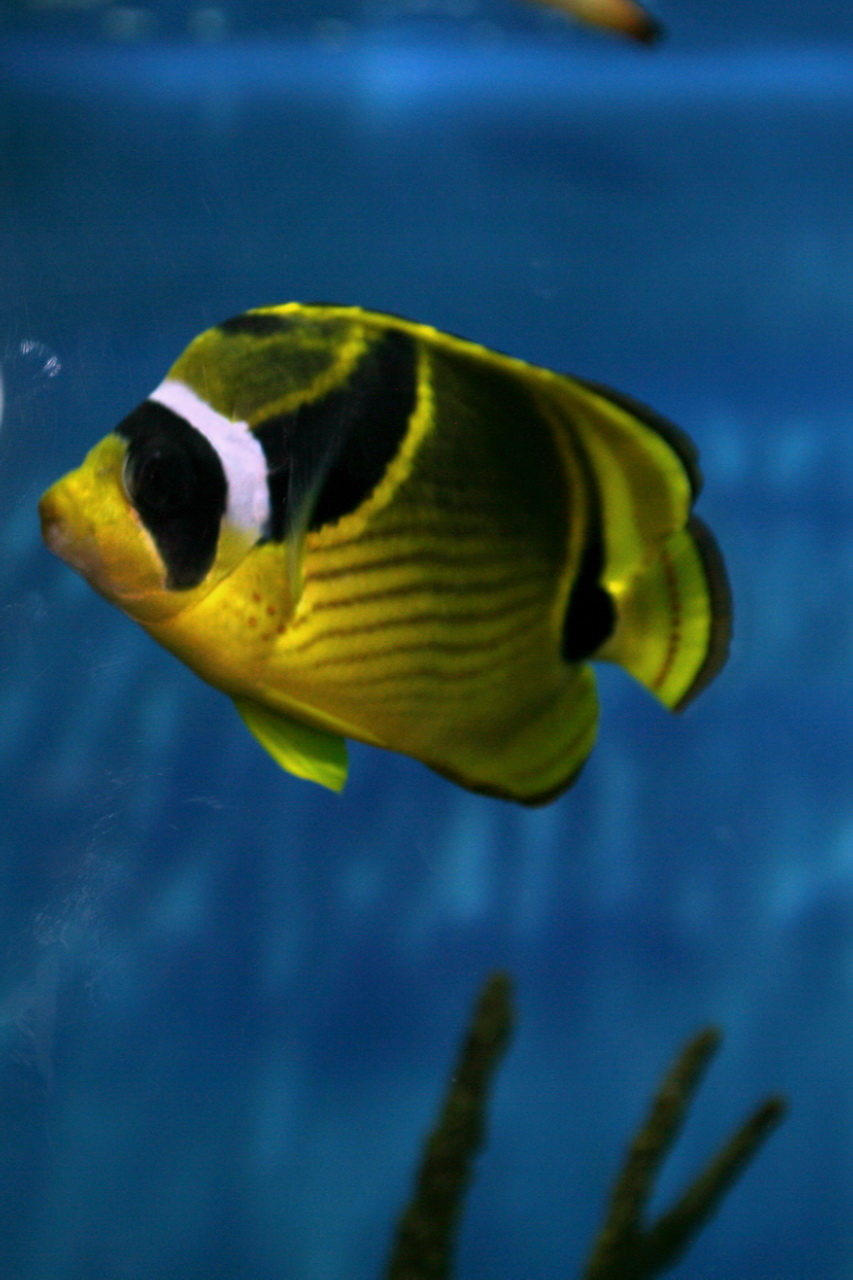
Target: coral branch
(626,1247)
(425,1237)
(675,1230)
(628,1250)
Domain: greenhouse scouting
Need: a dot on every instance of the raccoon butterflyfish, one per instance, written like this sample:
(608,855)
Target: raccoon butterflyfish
(361,527)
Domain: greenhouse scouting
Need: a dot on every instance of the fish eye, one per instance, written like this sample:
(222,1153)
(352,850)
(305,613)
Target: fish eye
(160,478)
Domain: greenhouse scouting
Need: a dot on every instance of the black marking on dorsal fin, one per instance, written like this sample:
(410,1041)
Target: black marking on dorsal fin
(258,324)
(678,440)
(590,616)
(176,482)
(343,441)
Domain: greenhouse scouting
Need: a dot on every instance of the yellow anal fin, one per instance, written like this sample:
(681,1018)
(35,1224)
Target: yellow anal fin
(674,618)
(534,762)
(314,754)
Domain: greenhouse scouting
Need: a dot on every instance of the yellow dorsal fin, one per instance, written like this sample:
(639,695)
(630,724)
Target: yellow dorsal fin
(309,753)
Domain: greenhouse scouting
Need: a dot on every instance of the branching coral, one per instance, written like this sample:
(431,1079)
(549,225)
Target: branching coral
(625,1249)
(426,1233)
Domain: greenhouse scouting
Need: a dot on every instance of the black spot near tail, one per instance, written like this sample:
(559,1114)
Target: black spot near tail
(591,616)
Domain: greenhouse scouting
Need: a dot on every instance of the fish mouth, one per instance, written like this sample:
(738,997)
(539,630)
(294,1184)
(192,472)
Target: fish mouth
(95,551)
(78,550)
(52,530)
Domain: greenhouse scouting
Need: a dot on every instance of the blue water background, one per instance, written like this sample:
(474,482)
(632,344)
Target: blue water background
(230,999)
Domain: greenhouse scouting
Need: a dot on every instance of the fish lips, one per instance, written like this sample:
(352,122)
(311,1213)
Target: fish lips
(85,544)
(108,546)
(63,535)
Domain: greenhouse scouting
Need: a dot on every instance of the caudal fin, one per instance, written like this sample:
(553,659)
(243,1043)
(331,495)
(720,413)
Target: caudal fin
(668,614)
(673,618)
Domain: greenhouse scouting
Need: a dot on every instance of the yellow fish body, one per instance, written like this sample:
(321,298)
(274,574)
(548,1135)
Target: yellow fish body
(361,527)
(626,17)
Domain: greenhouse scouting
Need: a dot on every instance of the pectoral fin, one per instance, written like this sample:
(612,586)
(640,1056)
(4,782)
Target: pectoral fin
(309,753)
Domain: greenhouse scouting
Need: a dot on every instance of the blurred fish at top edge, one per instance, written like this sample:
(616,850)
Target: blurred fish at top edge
(623,17)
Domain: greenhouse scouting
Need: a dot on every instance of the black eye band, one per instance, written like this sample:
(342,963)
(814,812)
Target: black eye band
(160,476)
(175,480)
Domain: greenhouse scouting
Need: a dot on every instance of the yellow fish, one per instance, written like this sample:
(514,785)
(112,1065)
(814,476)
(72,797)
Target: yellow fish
(361,527)
(625,17)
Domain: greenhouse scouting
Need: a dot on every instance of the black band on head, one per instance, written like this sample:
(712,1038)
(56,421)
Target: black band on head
(176,482)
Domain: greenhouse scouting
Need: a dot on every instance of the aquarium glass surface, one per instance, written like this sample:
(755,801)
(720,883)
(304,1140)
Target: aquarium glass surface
(230,1000)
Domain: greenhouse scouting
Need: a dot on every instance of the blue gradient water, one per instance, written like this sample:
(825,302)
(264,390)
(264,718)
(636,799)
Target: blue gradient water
(231,1000)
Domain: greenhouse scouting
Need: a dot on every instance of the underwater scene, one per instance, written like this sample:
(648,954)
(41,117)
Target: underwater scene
(350,857)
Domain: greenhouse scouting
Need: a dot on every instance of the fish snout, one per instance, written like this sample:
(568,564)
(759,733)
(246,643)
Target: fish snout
(65,530)
(52,522)
(85,521)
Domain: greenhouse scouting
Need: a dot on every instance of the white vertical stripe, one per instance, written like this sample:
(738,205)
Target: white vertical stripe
(239,450)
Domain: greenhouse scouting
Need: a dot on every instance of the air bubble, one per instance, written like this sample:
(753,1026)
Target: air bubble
(26,370)
(35,362)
